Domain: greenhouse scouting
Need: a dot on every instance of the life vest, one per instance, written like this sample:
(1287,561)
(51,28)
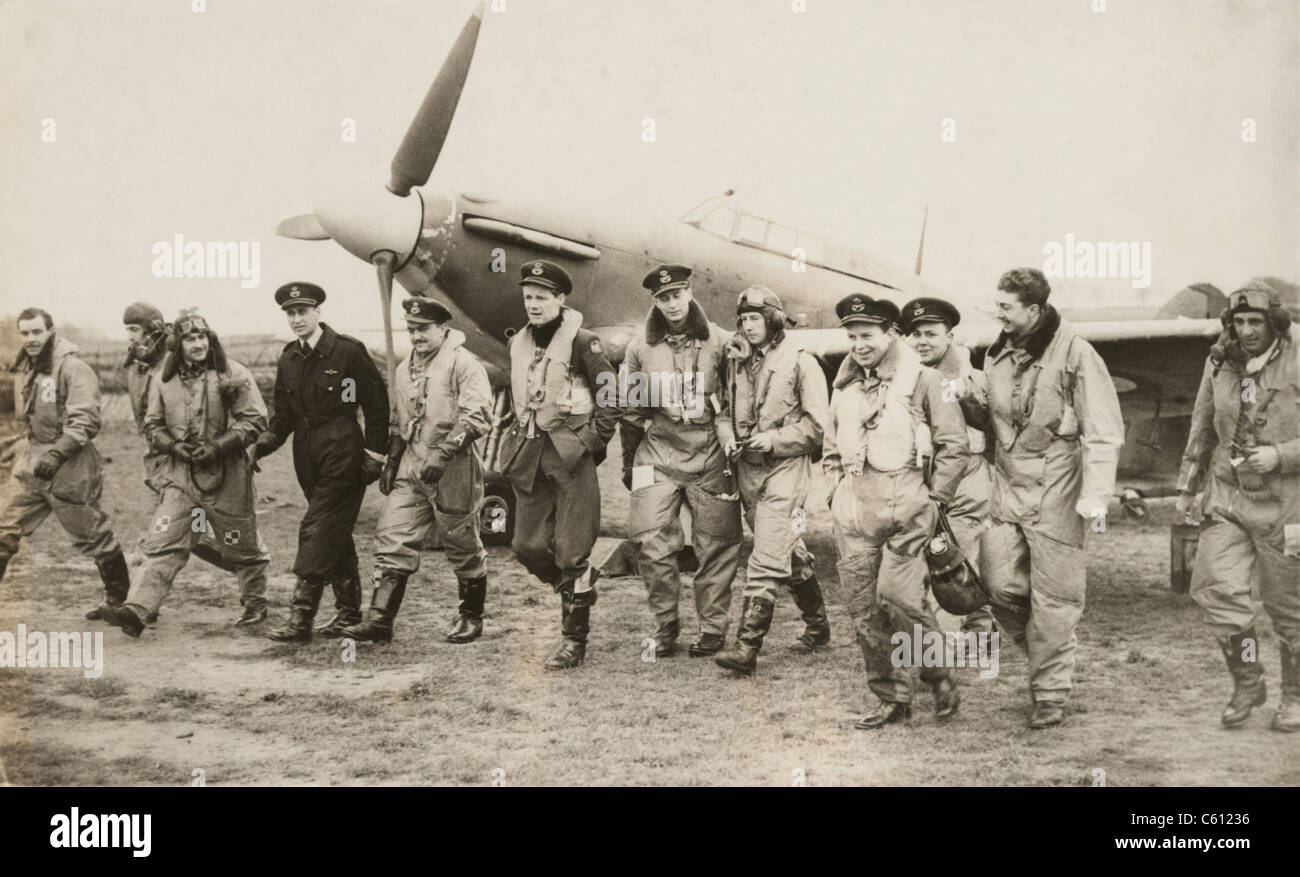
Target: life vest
(544,384)
(1033,403)
(884,419)
(974,437)
(426,405)
(772,400)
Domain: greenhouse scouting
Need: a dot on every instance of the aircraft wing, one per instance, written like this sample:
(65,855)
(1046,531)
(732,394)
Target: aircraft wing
(1160,358)
(830,344)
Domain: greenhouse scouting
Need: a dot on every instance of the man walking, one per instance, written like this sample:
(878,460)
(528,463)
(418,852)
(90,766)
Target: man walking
(203,414)
(1056,417)
(1244,452)
(552,451)
(888,413)
(671,455)
(442,403)
(771,426)
(928,325)
(147,335)
(321,381)
(57,468)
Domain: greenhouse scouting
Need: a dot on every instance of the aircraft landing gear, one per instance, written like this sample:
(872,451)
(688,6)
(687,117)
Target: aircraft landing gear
(1133,503)
(496,516)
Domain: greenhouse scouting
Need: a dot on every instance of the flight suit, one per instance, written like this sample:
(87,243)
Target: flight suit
(210,512)
(1244,540)
(59,399)
(678,443)
(880,427)
(551,453)
(968,516)
(440,407)
(778,390)
(140,375)
(1056,419)
(317,394)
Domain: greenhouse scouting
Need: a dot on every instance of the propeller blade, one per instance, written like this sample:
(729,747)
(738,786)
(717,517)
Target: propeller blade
(385,261)
(303,228)
(418,153)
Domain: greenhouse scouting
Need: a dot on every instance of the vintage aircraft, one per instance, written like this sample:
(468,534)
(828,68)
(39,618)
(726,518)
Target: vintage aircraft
(464,250)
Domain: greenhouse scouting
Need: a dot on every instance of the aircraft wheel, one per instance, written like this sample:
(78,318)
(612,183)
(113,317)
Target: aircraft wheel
(1133,504)
(496,516)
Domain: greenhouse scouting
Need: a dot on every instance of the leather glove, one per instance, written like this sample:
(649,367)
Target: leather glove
(432,473)
(265,445)
(48,464)
(630,437)
(183,451)
(371,469)
(229,444)
(206,455)
(387,478)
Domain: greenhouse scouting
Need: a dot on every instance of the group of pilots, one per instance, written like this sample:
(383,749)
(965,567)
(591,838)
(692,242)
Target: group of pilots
(1019,459)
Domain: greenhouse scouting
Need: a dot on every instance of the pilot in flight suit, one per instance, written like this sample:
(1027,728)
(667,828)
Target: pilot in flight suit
(552,450)
(888,413)
(673,369)
(771,426)
(928,325)
(1244,452)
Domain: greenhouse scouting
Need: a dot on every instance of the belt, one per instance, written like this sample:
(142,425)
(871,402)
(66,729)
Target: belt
(315,421)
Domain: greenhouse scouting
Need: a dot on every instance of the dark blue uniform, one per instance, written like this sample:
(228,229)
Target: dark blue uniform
(317,394)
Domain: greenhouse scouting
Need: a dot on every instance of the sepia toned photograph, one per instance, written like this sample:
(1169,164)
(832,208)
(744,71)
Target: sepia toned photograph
(753,393)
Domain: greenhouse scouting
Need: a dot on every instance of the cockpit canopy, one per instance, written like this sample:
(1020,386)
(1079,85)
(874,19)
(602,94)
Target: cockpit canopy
(724,219)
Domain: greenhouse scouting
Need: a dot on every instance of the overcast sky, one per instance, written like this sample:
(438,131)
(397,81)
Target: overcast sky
(1122,125)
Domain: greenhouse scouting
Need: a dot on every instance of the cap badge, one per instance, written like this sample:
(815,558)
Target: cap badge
(537,269)
(665,277)
(294,292)
(857,305)
(415,307)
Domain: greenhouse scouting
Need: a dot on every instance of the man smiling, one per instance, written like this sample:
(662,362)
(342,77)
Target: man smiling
(887,413)
(57,469)
(442,403)
(1056,417)
(203,413)
(928,324)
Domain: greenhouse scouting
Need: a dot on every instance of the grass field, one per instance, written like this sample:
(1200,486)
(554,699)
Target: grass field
(193,693)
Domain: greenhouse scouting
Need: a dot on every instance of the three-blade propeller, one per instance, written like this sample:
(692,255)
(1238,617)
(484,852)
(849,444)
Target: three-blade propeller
(412,165)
